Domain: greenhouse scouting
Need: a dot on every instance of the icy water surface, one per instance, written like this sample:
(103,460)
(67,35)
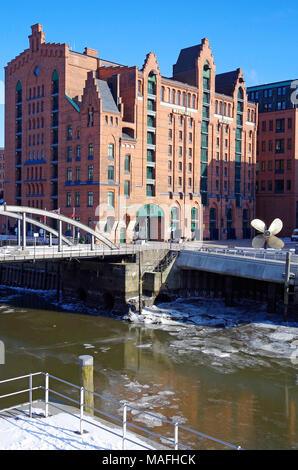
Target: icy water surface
(227,372)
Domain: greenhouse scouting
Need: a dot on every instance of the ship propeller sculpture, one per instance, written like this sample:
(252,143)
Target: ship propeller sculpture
(267,236)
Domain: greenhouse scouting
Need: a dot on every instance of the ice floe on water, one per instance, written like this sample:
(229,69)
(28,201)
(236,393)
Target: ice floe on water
(224,338)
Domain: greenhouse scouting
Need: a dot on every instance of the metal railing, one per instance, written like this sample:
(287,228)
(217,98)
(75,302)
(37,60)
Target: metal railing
(123,424)
(8,254)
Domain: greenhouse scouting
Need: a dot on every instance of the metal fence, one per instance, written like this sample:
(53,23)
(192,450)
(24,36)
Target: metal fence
(174,442)
(8,253)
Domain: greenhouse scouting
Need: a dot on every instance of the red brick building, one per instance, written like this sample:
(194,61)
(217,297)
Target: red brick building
(2,175)
(277,153)
(128,150)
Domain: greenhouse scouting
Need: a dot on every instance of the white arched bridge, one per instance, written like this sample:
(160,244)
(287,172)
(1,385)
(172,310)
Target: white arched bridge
(21,214)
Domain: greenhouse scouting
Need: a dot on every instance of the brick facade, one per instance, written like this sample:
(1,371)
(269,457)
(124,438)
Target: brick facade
(277,153)
(127,150)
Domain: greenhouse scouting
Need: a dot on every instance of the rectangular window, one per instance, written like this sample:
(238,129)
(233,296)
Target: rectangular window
(78,152)
(68,199)
(169,181)
(169,150)
(127,163)
(150,138)
(111,173)
(90,198)
(111,151)
(279,146)
(150,190)
(69,154)
(111,197)
(150,173)
(90,173)
(69,174)
(150,156)
(78,173)
(150,121)
(279,186)
(280,125)
(127,188)
(77,199)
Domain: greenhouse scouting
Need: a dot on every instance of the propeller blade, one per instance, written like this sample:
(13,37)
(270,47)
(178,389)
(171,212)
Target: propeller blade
(275,227)
(258,242)
(259,225)
(275,243)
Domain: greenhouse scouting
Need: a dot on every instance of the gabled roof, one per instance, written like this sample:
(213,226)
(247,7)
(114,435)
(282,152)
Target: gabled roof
(225,82)
(108,102)
(187,58)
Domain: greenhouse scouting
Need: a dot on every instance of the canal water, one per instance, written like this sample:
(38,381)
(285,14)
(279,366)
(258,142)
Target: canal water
(228,372)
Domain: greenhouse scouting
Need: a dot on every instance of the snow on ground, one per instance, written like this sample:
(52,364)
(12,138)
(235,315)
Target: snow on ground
(58,433)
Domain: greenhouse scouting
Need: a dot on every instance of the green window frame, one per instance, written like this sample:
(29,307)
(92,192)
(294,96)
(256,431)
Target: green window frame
(111,173)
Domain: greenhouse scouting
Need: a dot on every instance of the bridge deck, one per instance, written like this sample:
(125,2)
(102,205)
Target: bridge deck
(266,265)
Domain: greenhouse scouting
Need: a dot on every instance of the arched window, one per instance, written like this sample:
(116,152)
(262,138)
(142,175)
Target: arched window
(193,104)
(229,110)
(162,93)
(55,82)
(178,97)
(240,94)
(19,92)
(206,76)
(216,107)
(175,218)
(90,151)
(173,97)
(184,99)
(152,83)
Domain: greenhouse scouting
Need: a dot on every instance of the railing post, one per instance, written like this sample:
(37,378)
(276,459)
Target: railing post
(30,395)
(81,409)
(24,230)
(47,395)
(92,242)
(124,426)
(176,436)
(59,235)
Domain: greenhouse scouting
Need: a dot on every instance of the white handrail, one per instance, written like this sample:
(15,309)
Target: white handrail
(175,442)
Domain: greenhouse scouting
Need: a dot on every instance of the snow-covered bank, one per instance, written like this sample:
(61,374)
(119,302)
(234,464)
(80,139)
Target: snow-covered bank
(58,432)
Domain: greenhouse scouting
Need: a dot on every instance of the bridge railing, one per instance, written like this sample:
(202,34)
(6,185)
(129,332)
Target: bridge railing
(38,252)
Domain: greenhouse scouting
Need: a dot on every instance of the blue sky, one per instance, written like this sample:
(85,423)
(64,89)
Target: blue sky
(258,36)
